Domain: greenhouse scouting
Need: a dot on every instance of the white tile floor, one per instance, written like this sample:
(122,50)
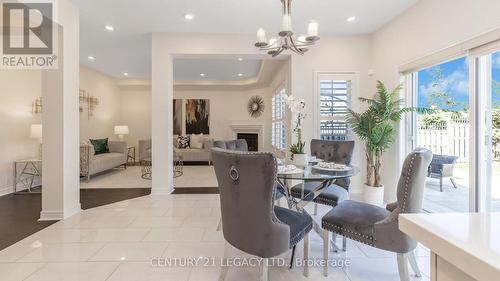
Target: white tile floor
(118,241)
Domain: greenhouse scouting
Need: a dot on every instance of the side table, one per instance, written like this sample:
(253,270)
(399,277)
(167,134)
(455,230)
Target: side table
(131,156)
(31,170)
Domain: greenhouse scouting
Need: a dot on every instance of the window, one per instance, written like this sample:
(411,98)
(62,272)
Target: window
(334,100)
(278,120)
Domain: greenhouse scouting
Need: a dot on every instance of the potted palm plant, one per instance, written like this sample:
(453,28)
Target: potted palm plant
(376,127)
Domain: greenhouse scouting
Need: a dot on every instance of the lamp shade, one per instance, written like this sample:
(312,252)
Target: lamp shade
(121,130)
(36,131)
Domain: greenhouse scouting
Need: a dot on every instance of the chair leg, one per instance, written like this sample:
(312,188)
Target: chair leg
(413,263)
(453,183)
(224,268)
(219,226)
(315,209)
(344,244)
(326,251)
(333,241)
(403,267)
(265,270)
(441,184)
(293,256)
(306,255)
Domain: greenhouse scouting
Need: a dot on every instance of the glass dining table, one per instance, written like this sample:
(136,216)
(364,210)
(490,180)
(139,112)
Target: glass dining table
(322,179)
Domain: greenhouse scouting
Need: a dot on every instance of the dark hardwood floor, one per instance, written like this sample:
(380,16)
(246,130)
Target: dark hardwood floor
(19,214)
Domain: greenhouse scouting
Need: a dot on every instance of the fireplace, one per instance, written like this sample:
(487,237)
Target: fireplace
(252,140)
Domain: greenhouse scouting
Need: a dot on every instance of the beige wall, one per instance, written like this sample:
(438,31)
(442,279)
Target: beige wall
(107,113)
(19,90)
(427,27)
(135,112)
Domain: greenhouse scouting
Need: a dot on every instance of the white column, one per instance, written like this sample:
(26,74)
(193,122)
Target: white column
(162,120)
(60,119)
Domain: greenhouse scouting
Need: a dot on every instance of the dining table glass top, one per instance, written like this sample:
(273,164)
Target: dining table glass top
(312,173)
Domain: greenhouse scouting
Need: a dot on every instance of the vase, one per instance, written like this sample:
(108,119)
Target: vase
(300,160)
(373,195)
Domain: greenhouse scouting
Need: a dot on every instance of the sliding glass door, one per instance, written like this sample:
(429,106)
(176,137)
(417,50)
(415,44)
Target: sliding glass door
(463,131)
(446,132)
(488,131)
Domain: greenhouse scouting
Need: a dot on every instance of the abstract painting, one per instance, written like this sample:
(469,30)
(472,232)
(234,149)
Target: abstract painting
(197,116)
(177,117)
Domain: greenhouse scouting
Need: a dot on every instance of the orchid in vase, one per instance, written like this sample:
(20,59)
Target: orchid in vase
(297,107)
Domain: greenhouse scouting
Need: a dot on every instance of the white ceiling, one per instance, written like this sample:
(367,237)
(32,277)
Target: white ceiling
(189,69)
(128,49)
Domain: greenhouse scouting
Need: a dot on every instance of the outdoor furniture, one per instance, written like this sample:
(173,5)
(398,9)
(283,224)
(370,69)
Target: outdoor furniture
(378,227)
(251,221)
(442,167)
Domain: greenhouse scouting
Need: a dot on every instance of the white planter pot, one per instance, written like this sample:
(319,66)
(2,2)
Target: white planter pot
(373,195)
(300,160)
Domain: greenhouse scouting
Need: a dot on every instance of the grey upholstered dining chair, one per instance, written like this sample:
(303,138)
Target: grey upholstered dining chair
(236,145)
(251,222)
(332,151)
(378,227)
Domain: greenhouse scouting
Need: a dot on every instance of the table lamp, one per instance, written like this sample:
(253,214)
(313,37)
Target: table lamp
(121,130)
(36,133)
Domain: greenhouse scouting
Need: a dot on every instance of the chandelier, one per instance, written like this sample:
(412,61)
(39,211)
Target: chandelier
(287,39)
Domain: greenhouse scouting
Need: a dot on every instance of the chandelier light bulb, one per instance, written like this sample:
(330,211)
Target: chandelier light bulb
(261,35)
(313,29)
(287,40)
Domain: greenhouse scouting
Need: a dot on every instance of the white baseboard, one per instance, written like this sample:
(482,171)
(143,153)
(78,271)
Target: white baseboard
(161,191)
(51,216)
(6,190)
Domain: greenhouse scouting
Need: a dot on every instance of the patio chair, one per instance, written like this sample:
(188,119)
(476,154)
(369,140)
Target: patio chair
(442,167)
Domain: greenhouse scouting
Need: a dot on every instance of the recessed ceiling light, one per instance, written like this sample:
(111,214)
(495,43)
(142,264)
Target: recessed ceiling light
(240,74)
(109,28)
(91,57)
(240,59)
(351,19)
(125,73)
(188,17)
(202,74)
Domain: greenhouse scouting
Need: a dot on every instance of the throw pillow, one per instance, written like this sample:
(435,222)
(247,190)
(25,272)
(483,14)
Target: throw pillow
(196,141)
(100,145)
(183,142)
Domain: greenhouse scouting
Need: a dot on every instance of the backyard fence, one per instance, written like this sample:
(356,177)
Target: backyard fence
(449,137)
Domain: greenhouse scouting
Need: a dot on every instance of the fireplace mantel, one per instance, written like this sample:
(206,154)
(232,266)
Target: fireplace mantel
(249,128)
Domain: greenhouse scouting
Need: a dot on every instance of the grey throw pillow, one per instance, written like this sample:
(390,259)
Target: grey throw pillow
(183,141)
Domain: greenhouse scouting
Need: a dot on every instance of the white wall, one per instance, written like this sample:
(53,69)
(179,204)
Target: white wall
(107,114)
(427,27)
(19,89)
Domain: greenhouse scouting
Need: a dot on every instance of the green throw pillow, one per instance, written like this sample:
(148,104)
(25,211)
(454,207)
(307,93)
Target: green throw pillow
(100,146)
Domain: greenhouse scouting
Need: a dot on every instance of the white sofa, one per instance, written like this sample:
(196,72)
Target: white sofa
(91,164)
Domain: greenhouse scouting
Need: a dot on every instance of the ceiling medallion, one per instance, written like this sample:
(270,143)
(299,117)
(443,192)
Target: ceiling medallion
(287,39)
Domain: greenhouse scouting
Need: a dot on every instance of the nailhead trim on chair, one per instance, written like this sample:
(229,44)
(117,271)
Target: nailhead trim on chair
(407,181)
(340,230)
